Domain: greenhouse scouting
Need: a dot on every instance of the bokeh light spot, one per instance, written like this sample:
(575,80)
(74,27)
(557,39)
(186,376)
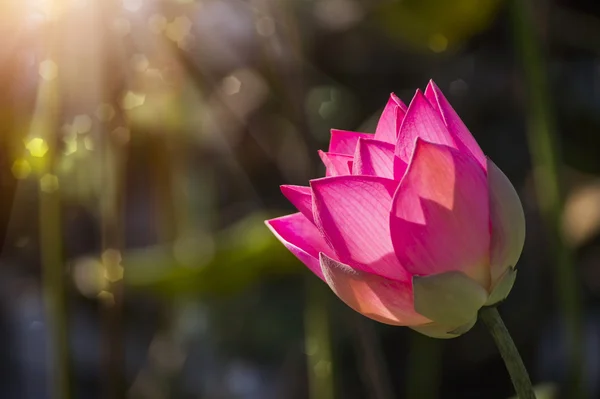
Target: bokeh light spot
(22,242)
(88,276)
(338,14)
(312,346)
(133,100)
(48,70)
(139,62)
(88,143)
(122,26)
(231,85)
(265,26)
(49,183)
(458,87)
(179,28)
(111,259)
(132,5)
(82,124)
(105,112)
(37,147)
(157,23)
(322,368)
(21,169)
(121,134)
(438,43)
(154,73)
(70,144)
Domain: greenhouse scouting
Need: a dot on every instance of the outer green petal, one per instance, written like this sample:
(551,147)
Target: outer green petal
(435,330)
(502,287)
(450,298)
(507,220)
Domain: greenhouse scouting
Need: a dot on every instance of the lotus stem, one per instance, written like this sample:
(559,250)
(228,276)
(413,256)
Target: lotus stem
(506,346)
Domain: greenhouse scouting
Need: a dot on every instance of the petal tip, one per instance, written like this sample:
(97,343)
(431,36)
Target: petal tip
(285,188)
(432,84)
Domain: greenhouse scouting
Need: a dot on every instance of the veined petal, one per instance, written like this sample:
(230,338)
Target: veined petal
(440,214)
(374,158)
(453,122)
(507,220)
(422,121)
(335,164)
(352,213)
(387,301)
(301,198)
(344,142)
(301,238)
(390,120)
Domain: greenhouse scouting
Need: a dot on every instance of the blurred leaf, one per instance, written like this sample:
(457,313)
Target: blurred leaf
(544,391)
(436,24)
(242,254)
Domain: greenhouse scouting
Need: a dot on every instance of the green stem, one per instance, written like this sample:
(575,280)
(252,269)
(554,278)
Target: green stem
(547,167)
(514,364)
(424,367)
(55,292)
(43,125)
(371,359)
(317,344)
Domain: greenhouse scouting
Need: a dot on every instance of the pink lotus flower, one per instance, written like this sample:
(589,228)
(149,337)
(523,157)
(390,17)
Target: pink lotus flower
(412,226)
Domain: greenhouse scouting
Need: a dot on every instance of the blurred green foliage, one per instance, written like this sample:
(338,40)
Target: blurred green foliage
(436,24)
(241,255)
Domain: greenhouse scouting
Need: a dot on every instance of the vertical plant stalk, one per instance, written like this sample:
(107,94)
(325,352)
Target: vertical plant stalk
(516,369)
(424,367)
(318,342)
(546,161)
(111,205)
(373,370)
(51,251)
(55,292)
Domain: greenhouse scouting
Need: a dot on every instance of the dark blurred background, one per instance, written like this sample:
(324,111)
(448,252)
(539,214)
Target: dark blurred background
(143,142)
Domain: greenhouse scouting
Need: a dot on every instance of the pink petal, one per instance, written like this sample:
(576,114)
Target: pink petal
(399,168)
(507,220)
(387,301)
(301,238)
(335,164)
(440,214)
(301,198)
(344,142)
(455,125)
(422,121)
(374,158)
(390,120)
(352,213)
